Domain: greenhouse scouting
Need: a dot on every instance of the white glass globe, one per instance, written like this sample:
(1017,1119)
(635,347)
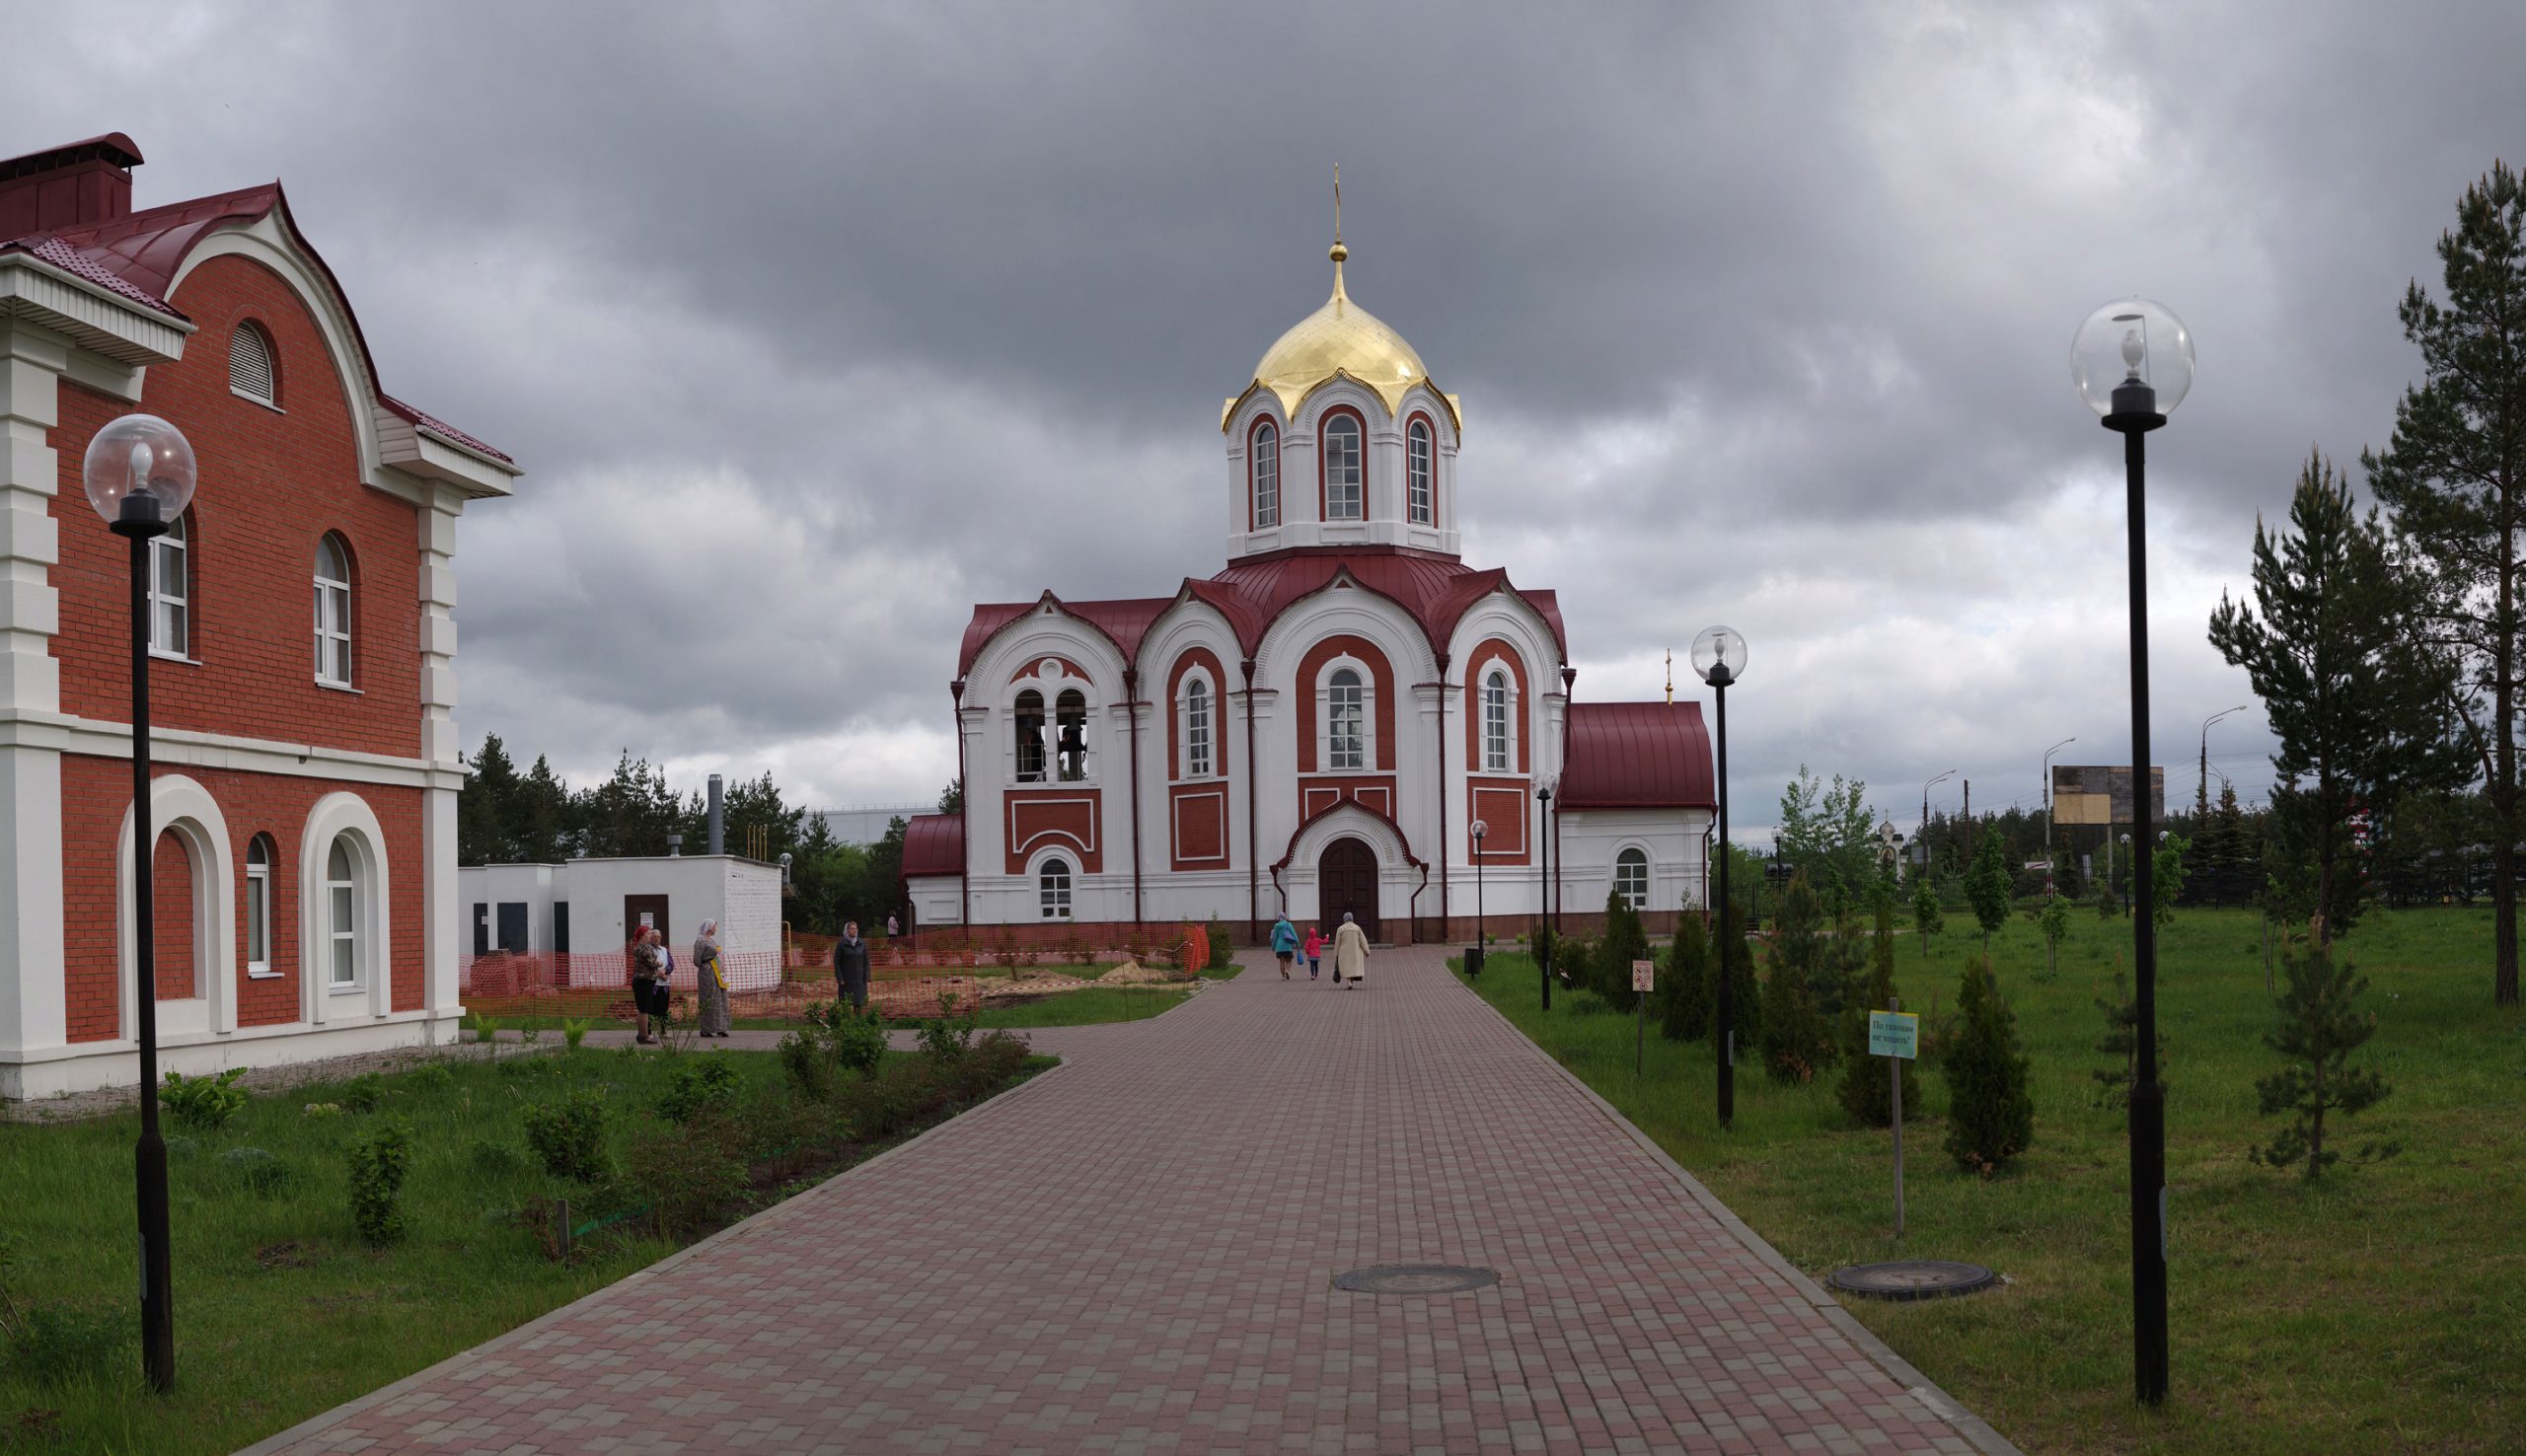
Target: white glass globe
(1717,648)
(2132,338)
(140,469)
(1480,830)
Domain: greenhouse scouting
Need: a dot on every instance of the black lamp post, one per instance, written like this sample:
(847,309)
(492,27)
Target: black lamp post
(140,474)
(1719,656)
(1544,904)
(1481,942)
(2132,361)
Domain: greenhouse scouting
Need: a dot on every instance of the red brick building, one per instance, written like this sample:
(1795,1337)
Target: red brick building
(301,644)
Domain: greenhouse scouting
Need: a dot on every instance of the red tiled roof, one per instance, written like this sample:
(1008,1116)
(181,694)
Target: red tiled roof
(1637,756)
(1435,591)
(138,256)
(933,844)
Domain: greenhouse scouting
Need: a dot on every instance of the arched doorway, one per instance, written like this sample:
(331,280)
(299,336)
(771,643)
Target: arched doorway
(1346,879)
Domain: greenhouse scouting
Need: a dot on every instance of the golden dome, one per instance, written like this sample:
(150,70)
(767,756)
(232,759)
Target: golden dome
(1339,338)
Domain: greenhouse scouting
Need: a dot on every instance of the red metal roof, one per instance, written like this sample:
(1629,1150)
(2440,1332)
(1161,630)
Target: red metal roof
(1637,756)
(1435,591)
(138,256)
(933,844)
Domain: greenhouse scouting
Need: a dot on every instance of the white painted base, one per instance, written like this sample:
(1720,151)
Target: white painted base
(89,1065)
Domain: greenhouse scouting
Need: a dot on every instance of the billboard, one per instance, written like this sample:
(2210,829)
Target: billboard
(2102,794)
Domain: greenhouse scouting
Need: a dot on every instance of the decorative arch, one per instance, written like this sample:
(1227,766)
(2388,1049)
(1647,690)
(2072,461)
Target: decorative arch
(1420,470)
(1350,818)
(1490,654)
(1265,503)
(1315,670)
(1325,432)
(182,809)
(347,816)
(1196,663)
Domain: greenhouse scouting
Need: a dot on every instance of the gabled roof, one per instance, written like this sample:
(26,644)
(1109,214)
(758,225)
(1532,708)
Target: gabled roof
(137,257)
(1637,756)
(1434,591)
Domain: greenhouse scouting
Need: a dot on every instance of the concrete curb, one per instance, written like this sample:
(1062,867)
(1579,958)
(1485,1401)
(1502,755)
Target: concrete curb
(1938,1402)
(314,1424)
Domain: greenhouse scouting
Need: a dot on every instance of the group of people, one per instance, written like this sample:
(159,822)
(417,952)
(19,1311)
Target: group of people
(1350,945)
(652,963)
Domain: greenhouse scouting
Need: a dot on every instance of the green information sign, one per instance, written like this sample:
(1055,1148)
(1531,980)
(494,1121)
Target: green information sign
(1893,1033)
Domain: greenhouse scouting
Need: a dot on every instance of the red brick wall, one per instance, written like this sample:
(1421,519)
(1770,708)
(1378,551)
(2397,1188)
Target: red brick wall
(273,483)
(1311,723)
(1068,817)
(174,879)
(96,794)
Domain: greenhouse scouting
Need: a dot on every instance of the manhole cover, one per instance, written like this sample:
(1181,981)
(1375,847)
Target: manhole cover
(1417,1278)
(1912,1279)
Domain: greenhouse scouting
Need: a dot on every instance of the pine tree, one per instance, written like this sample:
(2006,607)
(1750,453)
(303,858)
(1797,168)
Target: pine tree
(1683,982)
(2122,1041)
(487,807)
(1986,887)
(2455,477)
(1990,1116)
(542,826)
(2357,697)
(2319,1030)
(1624,942)
(1867,1091)
(1797,1041)
(1744,992)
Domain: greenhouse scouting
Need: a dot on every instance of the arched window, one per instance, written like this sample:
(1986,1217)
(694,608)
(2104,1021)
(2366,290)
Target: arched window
(1069,722)
(1196,729)
(1419,472)
(341,915)
(1031,737)
(258,905)
(1631,878)
(249,365)
(1052,888)
(171,589)
(333,613)
(1345,722)
(1495,722)
(1341,468)
(1264,465)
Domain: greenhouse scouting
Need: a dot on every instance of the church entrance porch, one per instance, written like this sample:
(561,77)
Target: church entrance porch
(1346,880)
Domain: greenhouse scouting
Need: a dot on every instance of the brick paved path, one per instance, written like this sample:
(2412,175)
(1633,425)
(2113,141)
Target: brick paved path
(1134,1252)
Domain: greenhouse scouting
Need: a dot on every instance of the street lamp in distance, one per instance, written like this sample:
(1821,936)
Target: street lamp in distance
(1719,657)
(139,473)
(1543,890)
(2047,811)
(1473,955)
(2132,362)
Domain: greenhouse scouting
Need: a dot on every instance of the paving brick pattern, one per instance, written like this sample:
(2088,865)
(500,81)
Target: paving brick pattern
(1135,1254)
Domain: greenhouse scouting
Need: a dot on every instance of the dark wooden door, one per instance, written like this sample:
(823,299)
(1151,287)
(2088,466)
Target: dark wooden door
(654,907)
(1346,880)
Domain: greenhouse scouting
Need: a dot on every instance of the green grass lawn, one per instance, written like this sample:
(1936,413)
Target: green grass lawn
(2381,1310)
(281,1312)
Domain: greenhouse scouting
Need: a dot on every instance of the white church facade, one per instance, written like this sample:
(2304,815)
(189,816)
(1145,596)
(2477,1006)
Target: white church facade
(1318,727)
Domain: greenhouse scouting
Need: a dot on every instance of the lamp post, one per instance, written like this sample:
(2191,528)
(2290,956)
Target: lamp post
(1719,656)
(1473,958)
(2202,794)
(2047,812)
(1922,835)
(140,474)
(2130,866)
(1543,903)
(2132,361)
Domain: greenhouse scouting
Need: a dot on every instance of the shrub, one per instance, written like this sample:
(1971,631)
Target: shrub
(1794,1035)
(55,1344)
(378,1162)
(1624,943)
(859,1042)
(494,1159)
(696,1084)
(985,1065)
(1222,950)
(574,1032)
(430,1078)
(1735,960)
(569,1136)
(1927,919)
(1991,1118)
(260,1171)
(2053,920)
(900,1093)
(2319,1030)
(204,1104)
(806,1060)
(948,1038)
(1683,983)
(1867,1090)
(323,1109)
(688,1172)
(364,1093)
(1986,887)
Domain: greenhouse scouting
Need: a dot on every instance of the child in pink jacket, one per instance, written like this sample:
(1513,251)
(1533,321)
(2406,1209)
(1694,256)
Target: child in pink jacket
(1315,949)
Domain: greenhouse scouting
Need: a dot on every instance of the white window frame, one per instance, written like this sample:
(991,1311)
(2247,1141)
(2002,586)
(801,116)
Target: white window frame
(1042,745)
(1056,898)
(270,398)
(1499,714)
(1086,738)
(1638,899)
(260,853)
(167,604)
(332,613)
(1199,718)
(343,897)
(1349,487)
(1421,451)
(1263,473)
(1363,748)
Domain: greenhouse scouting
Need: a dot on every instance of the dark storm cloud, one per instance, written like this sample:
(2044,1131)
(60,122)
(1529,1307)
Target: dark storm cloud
(816,324)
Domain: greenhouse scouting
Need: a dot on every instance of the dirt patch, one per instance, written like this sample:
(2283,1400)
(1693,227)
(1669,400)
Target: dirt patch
(1132,973)
(288,1254)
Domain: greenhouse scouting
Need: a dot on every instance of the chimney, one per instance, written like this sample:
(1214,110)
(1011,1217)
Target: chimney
(675,846)
(719,819)
(70,186)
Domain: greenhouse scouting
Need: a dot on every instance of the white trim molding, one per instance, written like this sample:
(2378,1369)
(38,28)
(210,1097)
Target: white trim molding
(181,807)
(345,816)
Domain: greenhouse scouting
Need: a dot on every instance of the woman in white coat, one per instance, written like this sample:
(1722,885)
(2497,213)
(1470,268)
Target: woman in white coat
(1350,953)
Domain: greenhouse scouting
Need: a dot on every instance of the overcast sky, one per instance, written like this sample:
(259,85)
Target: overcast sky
(813,326)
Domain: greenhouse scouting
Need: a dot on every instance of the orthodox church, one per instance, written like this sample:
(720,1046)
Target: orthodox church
(1349,717)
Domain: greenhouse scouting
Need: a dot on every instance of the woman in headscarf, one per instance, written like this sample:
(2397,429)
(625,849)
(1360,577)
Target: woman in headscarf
(711,977)
(1350,953)
(648,983)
